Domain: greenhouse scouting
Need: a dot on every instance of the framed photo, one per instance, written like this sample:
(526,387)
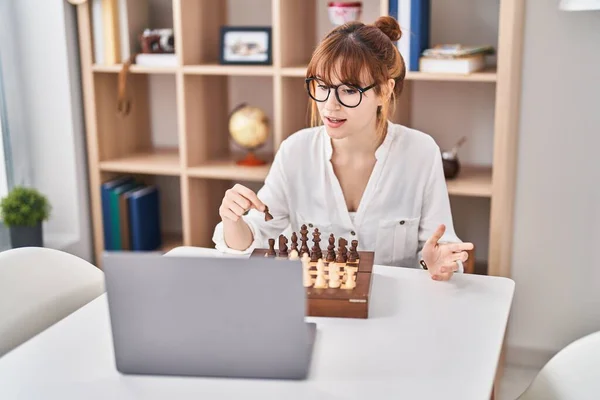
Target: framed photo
(246,45)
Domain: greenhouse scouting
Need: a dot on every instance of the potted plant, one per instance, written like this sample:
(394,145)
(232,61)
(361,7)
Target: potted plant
(23,210)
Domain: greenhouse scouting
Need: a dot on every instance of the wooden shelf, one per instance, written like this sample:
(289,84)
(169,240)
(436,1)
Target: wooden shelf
(134,69)
(474,181)
(218,69)
(488,75)
(155,162)
(229,170)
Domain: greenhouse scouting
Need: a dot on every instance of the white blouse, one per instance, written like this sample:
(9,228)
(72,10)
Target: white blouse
(405,200)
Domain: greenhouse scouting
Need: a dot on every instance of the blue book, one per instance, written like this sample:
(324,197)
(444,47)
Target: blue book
(105,190)
(144,219)
(413,16)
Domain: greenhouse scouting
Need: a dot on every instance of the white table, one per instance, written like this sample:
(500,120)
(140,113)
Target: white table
(423,340)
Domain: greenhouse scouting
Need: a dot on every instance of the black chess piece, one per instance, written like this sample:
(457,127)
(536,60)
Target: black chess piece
(342,243)
(294,242)
(271,251)
(331,249)
(283,249)
(304,240)
(354,248)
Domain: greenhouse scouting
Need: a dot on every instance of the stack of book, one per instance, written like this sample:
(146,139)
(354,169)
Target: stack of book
(130,215)
(454,59)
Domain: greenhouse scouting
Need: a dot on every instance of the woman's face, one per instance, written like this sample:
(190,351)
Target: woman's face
(341,121)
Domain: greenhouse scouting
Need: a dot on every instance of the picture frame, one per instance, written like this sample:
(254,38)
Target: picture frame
(246,45)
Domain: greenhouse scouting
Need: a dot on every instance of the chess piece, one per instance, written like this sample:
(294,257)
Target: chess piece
(306,278)
(334,275)
(268,215)
(283,249)
(294,255)
(350,282)
(354,247)
(316,250)
(271,251)
(352,256)
(331,249)
(343,243)
(294,242)
(340,253)
(304,240)
(320,282)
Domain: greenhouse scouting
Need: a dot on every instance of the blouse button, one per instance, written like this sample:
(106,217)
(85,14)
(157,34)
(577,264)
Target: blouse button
(310,225)
(353,233)
(402,222)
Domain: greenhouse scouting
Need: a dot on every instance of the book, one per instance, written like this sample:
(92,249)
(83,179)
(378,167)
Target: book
(115,213)
(105,190)
(456,50)
(460,65)
(413,16)
(144,219)
(110,28)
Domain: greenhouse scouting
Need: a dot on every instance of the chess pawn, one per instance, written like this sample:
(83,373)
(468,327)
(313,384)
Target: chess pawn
(320,282)
(334,275)
(306,278)
(294,241)
(350,282)
(271,251)
(294,255)
(354,248)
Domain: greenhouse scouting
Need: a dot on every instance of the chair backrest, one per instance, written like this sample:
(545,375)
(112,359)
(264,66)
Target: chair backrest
(573,373)
(39,287)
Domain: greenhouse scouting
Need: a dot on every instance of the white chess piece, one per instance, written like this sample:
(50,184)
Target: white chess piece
(320,282)
(306,278)
(334,275)
(350,280)
(294,255)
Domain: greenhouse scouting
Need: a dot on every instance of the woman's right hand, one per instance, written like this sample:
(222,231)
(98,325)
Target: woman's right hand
(237,201)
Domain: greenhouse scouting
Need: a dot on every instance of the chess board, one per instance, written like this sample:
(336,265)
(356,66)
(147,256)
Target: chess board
(339,302)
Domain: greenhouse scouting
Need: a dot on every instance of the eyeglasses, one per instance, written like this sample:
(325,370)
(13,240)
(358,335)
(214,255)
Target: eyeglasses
(346,94)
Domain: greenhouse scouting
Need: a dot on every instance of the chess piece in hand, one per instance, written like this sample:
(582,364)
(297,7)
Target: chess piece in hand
(441,258)
(237,201)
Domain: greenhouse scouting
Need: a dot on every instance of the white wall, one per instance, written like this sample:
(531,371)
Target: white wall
(45,115)
(557,217)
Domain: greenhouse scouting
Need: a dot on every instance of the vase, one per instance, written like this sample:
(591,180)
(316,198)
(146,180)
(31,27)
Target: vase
(26,236)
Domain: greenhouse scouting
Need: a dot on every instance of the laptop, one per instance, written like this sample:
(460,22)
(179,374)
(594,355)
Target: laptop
(206,316)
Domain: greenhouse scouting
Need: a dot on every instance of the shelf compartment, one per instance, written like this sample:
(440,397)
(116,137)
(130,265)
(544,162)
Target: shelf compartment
(135,69)
(155,161)
(227,169)
(473,181)
(218,69)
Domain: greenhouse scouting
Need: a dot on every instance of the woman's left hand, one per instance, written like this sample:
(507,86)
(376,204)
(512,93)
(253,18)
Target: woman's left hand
(441,258)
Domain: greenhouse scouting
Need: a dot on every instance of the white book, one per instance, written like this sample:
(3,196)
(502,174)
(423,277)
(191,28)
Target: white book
(98,32)
(463,65)
(403,19)
(156,60)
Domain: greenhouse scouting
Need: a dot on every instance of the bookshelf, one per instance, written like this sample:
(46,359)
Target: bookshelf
(201,164)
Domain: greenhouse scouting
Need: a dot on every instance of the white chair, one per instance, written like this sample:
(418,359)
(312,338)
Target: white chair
(39,287)
(572,374)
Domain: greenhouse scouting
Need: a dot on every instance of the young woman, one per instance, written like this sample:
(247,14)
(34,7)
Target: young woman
(355,174)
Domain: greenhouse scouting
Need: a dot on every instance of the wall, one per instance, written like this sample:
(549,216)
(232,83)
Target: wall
(557,212)
(45,115)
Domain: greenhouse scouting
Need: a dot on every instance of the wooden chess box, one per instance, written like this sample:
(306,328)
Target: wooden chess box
(339,302)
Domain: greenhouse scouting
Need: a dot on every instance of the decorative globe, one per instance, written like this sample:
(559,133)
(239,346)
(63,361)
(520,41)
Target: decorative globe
(249,128)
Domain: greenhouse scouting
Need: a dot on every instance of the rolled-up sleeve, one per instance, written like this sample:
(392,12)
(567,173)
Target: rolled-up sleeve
(274,194)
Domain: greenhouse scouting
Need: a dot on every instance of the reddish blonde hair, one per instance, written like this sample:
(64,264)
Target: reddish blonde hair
(355,51)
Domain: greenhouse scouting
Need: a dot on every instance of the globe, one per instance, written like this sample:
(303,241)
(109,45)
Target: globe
(249,128)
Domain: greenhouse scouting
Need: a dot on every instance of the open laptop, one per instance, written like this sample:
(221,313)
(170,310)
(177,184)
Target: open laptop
(204,316)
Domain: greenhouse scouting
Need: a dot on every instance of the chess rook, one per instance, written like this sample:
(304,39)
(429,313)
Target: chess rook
(271,251)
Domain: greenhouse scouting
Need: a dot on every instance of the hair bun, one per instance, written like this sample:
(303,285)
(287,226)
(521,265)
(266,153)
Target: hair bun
(389,26)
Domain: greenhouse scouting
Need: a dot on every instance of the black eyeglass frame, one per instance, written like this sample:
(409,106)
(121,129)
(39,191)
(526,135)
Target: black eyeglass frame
(360,90)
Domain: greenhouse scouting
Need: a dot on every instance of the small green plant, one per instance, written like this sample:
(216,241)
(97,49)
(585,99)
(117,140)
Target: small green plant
(24,207)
